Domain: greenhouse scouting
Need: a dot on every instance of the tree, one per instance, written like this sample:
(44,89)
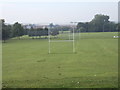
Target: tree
(82,27)
(45,30)
(38,32)
(18,30)
(99,22)
(112,27)
(5,31)
(54,32)
(64,28)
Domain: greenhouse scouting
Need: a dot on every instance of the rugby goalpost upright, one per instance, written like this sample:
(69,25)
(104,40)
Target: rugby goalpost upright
(69,36)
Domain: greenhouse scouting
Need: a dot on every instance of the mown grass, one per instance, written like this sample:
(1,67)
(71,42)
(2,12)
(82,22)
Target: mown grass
(27,64)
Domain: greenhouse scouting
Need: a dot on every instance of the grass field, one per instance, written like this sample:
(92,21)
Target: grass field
(27,64)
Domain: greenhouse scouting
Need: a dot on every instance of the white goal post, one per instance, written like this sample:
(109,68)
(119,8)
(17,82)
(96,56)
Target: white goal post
(62,36)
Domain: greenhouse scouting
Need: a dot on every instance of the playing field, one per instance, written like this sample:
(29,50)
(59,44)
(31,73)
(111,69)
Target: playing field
(27,64)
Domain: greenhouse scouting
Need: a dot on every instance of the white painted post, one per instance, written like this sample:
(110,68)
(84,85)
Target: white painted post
(79,34)
(69,35)
(1,55)
(73,37)
(73,41)
(49,40)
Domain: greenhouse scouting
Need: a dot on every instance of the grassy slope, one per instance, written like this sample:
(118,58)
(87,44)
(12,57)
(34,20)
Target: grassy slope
(26,63)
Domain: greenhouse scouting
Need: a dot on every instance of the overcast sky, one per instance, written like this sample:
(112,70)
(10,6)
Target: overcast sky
(59,12)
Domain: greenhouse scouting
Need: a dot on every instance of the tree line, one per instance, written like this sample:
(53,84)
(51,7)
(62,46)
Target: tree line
(37,32)
(100,23)
(17,30)
(10,31)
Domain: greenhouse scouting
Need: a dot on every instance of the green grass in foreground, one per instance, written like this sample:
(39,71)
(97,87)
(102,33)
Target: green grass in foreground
(27,64)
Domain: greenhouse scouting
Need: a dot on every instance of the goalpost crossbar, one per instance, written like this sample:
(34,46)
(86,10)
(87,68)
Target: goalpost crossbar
(61,40)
